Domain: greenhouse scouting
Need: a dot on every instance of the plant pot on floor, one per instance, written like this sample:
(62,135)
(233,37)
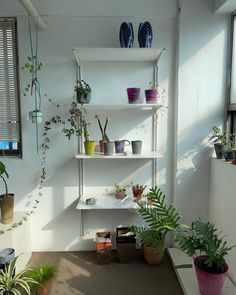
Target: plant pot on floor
(153,255)
(89,147)
(7,208)
(208,283)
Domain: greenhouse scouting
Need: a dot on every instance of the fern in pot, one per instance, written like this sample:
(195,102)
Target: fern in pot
(160,218)
(204,244)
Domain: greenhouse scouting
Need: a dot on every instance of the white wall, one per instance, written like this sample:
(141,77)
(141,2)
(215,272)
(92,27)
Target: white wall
(55,225)
(203,41)
(222,206)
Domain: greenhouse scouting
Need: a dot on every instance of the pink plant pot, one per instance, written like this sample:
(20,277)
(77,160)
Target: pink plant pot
(209,284)
(151,95)
(133,94)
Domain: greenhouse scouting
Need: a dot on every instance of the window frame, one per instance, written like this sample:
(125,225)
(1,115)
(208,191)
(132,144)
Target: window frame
(15,152)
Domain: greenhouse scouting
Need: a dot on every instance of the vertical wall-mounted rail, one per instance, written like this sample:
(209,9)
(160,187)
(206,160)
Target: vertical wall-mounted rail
(80,161)
(154,146)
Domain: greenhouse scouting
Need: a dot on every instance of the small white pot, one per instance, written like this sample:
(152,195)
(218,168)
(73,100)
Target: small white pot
(37,117)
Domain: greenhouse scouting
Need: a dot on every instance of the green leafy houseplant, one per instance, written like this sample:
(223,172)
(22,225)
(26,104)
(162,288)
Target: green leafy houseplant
(202,238)
(222,141)
(206,246)
(11,282)
(42,274)
(159,217)
(83,91)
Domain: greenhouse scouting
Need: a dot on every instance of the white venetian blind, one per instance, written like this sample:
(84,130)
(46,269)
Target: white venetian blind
(9,110)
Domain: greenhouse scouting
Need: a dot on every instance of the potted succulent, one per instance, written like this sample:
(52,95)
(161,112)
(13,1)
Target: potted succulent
(7,199)
(138,191)
(43,275)
(204,244)
(219,140)
(12,283)
(83,92)
(89,145)
(120,190)
(160,218)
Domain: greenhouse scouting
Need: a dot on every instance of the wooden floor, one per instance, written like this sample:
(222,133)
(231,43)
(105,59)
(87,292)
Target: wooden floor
(80,274)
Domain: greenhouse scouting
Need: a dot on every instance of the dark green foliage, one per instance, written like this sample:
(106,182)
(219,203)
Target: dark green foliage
(159,217)
(202,238)
(82,87)
(41,274)
(10,281)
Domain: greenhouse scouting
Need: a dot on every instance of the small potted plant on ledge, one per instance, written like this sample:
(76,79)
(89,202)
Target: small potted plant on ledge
(219,140)
(7,199)
(202,242)
(83,92)
(89,145)
(160,218)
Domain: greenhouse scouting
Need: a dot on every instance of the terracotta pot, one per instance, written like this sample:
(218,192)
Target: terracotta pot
(153,255)
(209,284)
(7,208)
(121,194)
(45,289)
(101,145)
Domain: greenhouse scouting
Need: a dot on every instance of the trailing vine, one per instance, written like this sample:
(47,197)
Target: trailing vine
(74,125)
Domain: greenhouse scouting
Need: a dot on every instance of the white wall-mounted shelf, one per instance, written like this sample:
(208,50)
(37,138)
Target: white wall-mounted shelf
(187,276)
(98,155)
(140,106)
(117,54)
(107,202)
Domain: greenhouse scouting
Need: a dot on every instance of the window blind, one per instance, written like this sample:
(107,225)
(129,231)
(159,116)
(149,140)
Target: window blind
(9,103)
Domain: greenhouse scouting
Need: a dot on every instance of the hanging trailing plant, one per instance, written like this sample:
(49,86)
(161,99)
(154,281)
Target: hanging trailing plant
(33,88)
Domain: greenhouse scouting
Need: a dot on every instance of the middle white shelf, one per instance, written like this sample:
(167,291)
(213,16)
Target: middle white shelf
(143,155)
(107,202)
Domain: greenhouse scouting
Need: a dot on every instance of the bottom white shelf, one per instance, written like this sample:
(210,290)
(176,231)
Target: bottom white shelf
(187,276)
(107,202)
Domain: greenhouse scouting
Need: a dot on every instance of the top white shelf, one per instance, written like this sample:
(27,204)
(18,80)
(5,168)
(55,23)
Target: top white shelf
(117,54)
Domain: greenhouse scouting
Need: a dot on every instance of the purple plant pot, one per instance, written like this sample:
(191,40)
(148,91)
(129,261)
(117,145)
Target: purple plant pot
(151,95)
(133,94)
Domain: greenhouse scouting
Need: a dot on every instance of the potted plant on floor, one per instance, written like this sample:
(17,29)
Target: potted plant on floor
(160,218)
(83,92)
(12,283)
(43,274)
(7,199)
(205,245)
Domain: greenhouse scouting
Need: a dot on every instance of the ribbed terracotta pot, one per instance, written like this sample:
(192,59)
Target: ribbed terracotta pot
(7,208)
(208,283)
(153,255)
